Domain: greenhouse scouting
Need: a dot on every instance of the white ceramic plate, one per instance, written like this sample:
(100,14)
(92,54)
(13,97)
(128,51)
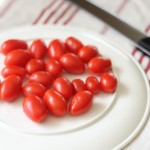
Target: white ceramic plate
(114,119)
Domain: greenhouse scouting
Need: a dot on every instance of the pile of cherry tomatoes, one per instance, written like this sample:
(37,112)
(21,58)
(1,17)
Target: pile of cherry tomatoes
(36,71)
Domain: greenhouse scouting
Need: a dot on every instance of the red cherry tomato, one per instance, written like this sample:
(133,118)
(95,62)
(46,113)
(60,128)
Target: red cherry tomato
(34,88)
(13,44)
(108,82)
(42,77)
(35,65)
(18,57)
(13,70)
(86,53)
(34,108)
(54,67)
(99,65)
(38,49)
(11,88)
(72,64)
(64,87)
(56,49)
(78,85)
(73,44)
(81,102)
(55,102)
(92,84)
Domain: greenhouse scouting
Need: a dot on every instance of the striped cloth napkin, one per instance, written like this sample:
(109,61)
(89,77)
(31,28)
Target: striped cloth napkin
(15,13)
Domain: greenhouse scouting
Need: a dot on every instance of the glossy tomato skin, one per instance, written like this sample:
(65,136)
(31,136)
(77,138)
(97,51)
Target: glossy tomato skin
(108,82)
(72,64)
(42,77)
(99,65)
(56,49)
(54,67)
(78,85)
(35,65)
(11,88)
(13,70)
(73,44)
(86,53)
(81,102)
(34,108)
(92,84)
(64,87)
(18,57)
(55,102)
(13,44)
(34,88)
(38,49)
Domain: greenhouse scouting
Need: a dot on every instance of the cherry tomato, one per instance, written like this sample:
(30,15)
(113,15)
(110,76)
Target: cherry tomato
(81,102)
(35,65)
(34,108)
(78,85)
(41,77)
(54,67)
(64,87)
(99,65)
(11,88)
(38,49)
(72,64)
(55,102)
(86,53)
(13,70)
(13,44)
(108,82)
(73,44)
(18,57)
(34,88)
(92,84)
(56,49)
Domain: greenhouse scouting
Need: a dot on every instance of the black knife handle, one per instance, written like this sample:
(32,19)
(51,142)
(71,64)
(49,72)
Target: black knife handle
(145,45)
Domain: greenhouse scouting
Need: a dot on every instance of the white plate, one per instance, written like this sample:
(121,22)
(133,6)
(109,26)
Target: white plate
(113,121)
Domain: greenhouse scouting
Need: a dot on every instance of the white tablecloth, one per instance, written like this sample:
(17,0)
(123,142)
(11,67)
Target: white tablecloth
(15,13)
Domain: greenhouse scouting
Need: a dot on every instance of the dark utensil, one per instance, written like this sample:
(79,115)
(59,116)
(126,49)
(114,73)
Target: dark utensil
(141,40)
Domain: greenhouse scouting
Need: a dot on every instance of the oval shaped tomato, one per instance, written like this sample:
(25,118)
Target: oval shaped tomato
(12,44)
(54,67)
(34,88)
(11,88)
(18,57)
(38,49)
(81,102)
(13,70)
(56,49)
(86,53)
(34,108)
(78,85)
(64,87)
(35,65)
(73,44)
(92,84)
(41,77)
(108,82)
(99,65)
(55,102)
(72,64)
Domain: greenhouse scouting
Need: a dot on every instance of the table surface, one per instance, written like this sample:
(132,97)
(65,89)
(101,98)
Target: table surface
(16,13)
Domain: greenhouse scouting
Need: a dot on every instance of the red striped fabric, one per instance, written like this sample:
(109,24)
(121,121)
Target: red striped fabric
(63,13)
(44,10)
(54,11)
(7,7)
(76,10)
